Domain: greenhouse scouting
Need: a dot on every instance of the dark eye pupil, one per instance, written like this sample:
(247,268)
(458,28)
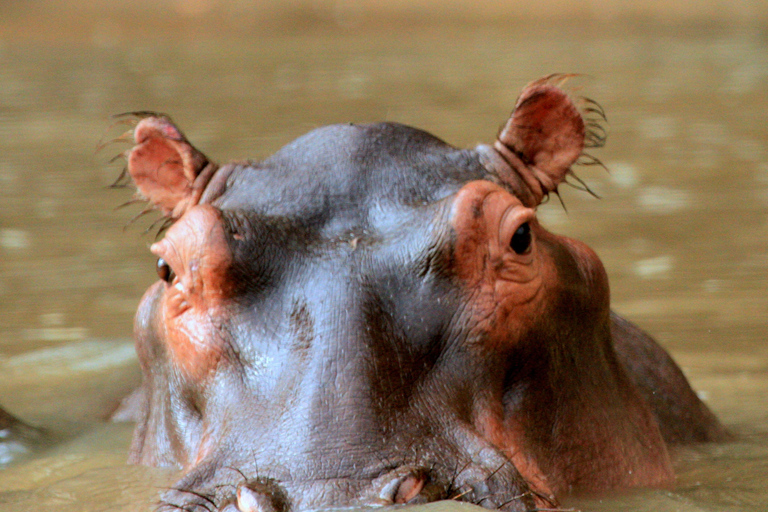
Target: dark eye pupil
(521,240)
(164,271)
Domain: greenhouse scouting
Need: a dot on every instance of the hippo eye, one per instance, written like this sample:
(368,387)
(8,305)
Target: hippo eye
(521,240)
(164,271)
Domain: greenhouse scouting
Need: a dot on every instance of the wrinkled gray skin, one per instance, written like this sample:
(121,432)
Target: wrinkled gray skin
(349,366)
(344,361)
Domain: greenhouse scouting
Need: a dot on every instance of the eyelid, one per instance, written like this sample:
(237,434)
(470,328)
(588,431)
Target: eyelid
(514,217)
(164,271)
(167,251)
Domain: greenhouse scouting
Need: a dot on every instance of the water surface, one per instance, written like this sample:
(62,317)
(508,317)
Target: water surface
(681,226)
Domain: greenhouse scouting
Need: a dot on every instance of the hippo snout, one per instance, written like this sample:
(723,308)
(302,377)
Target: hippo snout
(406,484)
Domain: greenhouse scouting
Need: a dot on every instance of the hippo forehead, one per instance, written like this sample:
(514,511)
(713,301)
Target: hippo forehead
(345,172)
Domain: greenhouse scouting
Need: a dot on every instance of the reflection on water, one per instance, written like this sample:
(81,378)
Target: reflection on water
(682,225)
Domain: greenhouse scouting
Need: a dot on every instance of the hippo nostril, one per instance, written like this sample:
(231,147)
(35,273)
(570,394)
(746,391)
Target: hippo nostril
(260,496)
(409,488)
(404,485)
(229,507)
(250,501)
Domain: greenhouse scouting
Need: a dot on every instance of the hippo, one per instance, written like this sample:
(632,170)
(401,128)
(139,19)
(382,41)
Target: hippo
(18,439)
(371,316)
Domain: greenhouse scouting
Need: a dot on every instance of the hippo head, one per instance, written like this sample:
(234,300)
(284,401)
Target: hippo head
(372,316)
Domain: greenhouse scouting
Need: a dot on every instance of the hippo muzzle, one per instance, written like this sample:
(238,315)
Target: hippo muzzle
(373,317)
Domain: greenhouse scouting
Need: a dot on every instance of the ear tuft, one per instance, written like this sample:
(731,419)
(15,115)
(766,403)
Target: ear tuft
(545,134)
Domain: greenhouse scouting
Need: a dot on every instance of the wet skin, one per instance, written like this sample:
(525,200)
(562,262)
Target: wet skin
(372,316)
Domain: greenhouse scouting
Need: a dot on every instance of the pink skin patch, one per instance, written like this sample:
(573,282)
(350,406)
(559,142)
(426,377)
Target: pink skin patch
(197,251)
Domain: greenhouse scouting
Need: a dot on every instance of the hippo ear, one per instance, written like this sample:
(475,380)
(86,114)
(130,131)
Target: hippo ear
(543,137)
(165,167)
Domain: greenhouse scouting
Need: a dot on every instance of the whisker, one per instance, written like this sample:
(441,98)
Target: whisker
(125,137)
(138,216)
(199,495)
(172,506)
(155,223)
(594,108)
(596,129)
(140,114)
(597,112)
(593,140)
(495,471)
(221,486)
(168,222)
(129,203)
(125,121)
(236,470)
(548,499)
(121,181)
(560,79)
(560,198)
(115,158)
(457,472)
(461,495)
(589,160)
(488,497)
(515,498)
(581,185)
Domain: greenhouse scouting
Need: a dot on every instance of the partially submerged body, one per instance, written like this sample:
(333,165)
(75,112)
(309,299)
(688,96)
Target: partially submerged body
(17,439)
(372,316)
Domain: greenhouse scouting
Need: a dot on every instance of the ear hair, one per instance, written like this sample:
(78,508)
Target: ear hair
(547,133)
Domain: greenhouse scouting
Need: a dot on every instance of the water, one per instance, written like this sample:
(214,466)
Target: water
(682,226)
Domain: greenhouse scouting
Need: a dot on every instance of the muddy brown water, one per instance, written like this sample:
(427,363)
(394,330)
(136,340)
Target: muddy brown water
(681,226)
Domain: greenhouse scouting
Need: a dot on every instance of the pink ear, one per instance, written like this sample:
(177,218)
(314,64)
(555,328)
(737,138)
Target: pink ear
(164,166)
(545,134)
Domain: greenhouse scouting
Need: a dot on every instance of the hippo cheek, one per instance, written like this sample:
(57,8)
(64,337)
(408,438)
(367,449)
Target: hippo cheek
(194,259)
(146,328)
(590,282)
